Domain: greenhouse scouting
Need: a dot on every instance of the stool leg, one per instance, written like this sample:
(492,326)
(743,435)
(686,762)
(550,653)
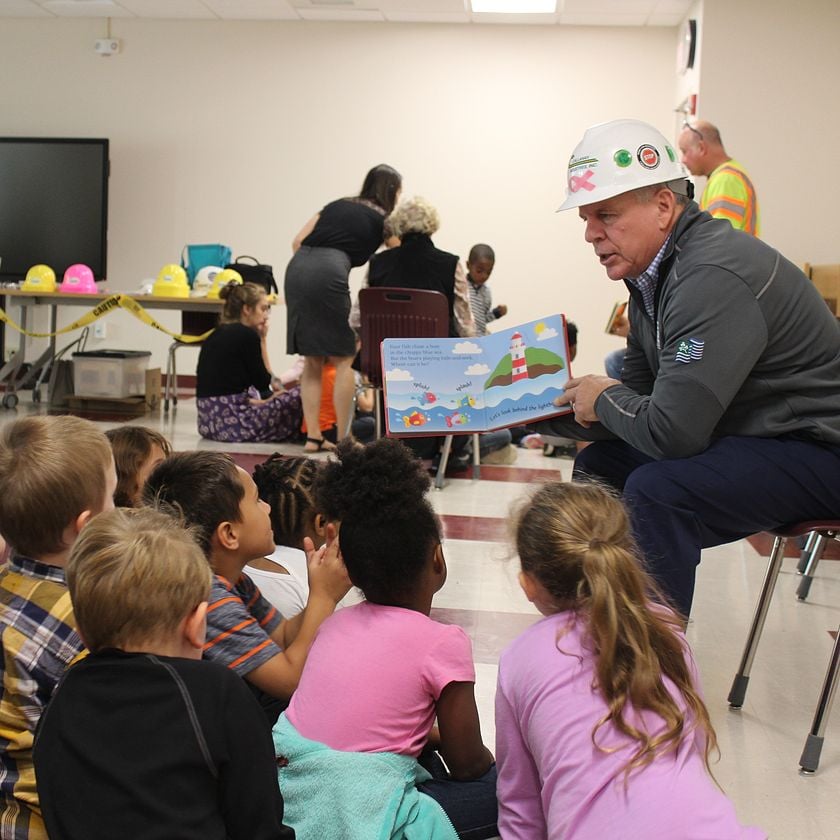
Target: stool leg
(377,414)
(444,460)
(167,388)
(805,554)
(810,759)
(742,678)
(174,379)
(817,548)
(476,458)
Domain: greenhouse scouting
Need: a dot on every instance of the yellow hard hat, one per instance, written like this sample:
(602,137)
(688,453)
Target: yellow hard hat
(223,278)
(39,278)
(171,282)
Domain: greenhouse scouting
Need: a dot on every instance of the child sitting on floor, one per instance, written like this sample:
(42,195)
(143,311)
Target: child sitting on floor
(392,671)
(141,739)
(285,484)
(600,727)
(232,524)
(56,473)
(137,451)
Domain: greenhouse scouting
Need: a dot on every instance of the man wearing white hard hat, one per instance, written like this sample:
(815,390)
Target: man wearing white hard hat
(727,418)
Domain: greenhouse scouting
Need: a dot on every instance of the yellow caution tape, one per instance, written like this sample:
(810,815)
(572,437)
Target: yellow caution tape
(115,301)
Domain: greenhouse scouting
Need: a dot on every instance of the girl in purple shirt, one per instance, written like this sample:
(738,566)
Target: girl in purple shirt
(600,727)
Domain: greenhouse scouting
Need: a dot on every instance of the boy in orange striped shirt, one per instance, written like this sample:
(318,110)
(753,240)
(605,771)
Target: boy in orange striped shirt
(244,631)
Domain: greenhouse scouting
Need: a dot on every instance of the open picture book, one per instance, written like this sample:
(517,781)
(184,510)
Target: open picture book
(467,385)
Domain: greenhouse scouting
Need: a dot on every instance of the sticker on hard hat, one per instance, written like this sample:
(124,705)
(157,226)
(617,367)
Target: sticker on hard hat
(581,182)
(579,162)
(623,158)
(648,156)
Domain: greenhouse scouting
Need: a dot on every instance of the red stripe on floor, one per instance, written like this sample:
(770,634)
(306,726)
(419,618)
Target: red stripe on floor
(488,528)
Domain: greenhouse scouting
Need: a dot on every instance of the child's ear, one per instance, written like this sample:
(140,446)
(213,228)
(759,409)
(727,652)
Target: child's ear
(195,626)
(319,524)
(81,520)
(74,528)
(529,586)
(439,561)
(227,535)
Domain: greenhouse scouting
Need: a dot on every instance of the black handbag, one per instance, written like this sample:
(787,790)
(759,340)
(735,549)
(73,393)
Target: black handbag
(257,272)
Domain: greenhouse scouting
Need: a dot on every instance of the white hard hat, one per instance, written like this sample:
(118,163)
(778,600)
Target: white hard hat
(619,156)
(204,280)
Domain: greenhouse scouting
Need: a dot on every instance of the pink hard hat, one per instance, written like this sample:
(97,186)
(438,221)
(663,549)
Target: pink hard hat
(78,278)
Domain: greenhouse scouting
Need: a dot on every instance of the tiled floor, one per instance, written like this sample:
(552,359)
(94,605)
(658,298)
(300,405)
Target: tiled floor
(759,746)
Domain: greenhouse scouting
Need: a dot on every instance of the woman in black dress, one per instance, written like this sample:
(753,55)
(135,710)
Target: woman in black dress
(342,236)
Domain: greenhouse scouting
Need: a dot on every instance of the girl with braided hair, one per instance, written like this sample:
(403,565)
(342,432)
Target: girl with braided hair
(285,483)
(600,727)
(382,672)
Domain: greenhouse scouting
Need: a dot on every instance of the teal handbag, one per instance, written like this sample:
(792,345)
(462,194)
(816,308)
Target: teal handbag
(196,257)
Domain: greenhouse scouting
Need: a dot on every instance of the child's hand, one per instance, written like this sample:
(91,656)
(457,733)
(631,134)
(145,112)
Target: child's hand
(500,310)
(326,570)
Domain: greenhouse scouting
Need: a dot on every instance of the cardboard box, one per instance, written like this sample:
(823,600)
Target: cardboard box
(153,388)
(826,278)
(110,374)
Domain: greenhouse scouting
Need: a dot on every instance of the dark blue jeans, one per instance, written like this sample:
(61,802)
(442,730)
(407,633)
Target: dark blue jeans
(736,487)
(471,806)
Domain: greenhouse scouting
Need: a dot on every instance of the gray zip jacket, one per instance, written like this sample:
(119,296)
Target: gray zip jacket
(741,343)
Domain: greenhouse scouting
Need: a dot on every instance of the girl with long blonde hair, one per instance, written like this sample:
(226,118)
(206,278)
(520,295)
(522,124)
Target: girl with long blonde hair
(600,727)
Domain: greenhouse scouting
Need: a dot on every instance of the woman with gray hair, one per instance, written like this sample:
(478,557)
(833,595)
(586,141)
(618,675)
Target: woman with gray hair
(418,264)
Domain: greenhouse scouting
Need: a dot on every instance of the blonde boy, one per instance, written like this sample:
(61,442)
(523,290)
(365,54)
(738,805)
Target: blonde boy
(56,473)
(142,739)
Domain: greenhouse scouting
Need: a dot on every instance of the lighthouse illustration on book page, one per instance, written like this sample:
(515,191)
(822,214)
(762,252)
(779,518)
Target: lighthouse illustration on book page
(517,356)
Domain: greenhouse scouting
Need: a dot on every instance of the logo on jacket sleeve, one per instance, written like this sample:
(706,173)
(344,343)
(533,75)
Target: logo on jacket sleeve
(690,351)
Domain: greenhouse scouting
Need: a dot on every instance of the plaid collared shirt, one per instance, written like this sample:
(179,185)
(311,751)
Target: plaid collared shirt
(647,281)
(39,640)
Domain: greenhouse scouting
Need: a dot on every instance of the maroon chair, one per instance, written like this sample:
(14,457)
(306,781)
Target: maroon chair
(388,312)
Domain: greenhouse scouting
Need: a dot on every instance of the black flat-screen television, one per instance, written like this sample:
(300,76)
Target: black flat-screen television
(53,205)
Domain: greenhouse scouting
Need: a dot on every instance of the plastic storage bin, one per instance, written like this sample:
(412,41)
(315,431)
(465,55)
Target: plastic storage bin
(112,374)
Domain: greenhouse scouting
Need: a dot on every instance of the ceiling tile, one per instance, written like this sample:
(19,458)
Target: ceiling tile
(22,8)
(86,8)
(252,9)
(426,17)
(341,13)
(191,9)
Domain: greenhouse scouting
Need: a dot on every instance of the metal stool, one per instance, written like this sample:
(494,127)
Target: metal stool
(171,386)
(824,529)
(192,323)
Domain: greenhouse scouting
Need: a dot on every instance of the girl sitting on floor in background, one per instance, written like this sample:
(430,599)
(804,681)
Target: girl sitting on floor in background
(137,451)
(381,671)
(600,727)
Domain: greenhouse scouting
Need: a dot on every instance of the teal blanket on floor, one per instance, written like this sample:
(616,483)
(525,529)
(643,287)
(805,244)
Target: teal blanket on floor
(354,796)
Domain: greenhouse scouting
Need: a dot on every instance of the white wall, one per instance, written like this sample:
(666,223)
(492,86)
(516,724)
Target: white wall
(769,81)
(238,132)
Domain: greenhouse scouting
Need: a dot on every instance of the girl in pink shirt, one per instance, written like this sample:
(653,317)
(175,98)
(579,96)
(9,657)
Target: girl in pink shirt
(380,673)
(600,727)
